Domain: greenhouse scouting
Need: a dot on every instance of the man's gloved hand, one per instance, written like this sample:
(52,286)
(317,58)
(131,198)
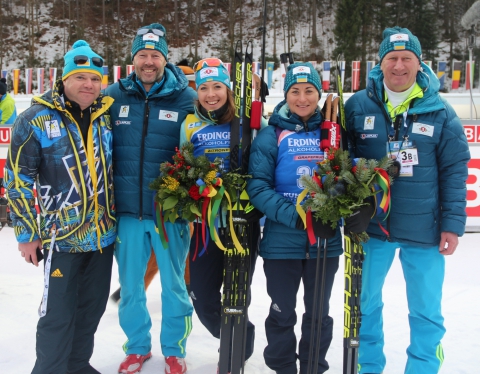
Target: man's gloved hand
(359,219)
(320,229)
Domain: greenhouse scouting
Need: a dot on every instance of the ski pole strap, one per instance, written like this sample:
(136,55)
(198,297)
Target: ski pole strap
(42,309)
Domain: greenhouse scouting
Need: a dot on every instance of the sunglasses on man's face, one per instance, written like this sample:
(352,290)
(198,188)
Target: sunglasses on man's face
(155,31)
(207,62)
(82,60)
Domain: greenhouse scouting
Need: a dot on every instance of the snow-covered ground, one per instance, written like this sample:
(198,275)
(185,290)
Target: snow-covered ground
(21,289)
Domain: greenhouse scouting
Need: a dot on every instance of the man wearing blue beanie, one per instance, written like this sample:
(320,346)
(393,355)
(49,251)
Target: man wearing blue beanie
(401,114)
(62,146)
(150,106)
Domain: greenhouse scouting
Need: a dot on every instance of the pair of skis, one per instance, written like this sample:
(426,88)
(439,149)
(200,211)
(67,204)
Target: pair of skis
(353,256)
(236,277)
(352,274)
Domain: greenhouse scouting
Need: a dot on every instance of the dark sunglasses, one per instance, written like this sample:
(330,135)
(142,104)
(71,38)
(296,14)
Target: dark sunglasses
(82,60)
(143,31)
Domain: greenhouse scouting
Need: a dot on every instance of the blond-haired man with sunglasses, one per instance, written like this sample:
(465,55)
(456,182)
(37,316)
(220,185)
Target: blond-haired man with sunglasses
(150,105)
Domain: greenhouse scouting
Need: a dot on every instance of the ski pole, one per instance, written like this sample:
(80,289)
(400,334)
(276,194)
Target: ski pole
(316,342)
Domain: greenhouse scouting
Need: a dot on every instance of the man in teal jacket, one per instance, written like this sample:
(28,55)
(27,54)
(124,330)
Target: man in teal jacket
(402,113)
(150,106)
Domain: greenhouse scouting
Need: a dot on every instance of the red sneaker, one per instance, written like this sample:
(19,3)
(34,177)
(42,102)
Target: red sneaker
(133,363)
(175,365)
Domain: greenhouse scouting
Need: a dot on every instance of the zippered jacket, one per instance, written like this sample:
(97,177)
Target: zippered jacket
(8,111)
(274,187)
(433,200)
(146,133)
(73,180)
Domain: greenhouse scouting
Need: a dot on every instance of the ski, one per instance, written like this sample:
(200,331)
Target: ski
(352,268)
(236,281)
(351,306)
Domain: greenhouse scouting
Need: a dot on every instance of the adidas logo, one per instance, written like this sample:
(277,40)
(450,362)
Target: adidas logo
(57,273)
(276,308)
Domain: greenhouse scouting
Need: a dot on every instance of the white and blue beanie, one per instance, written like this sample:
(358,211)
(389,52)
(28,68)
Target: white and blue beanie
(399,39)
(82,49)
(146,38)
(302,72)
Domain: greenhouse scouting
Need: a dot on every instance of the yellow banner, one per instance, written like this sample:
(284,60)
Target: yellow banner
(16,80)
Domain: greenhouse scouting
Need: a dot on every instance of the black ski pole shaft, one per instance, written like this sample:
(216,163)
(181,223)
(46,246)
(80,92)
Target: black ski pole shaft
(317,318)
(264,31)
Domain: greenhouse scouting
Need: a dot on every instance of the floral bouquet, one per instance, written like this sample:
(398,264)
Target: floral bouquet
(193,188)
(341,185)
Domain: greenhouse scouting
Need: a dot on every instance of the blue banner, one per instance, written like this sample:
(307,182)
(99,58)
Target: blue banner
(270,66)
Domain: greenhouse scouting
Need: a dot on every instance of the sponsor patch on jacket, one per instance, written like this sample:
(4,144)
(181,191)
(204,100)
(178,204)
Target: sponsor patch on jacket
(168,115)
(118,123)
(124,109)
(422,129)
(194,124)
(53,130)
(369,123)
(368,136)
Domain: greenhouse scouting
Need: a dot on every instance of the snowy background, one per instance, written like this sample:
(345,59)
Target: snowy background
(21,290)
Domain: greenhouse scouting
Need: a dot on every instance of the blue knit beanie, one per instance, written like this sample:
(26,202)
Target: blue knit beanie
(399,39)
(302,72)
(80,59)
(211,73)
(151,37)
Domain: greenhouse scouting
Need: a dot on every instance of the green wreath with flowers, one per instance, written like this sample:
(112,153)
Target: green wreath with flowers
(340,186)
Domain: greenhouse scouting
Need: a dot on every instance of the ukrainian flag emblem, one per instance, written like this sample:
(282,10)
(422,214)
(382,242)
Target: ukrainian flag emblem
(149,45)
(398,46)
(302,80)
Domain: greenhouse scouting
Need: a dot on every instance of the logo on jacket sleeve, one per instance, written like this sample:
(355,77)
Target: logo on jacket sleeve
(369,123)
(124,109)
(168,115)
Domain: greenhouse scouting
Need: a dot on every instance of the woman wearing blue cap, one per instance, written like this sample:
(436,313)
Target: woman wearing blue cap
(214,112)
(276,165)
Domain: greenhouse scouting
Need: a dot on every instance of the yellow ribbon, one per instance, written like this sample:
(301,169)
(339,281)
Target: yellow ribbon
(299,208)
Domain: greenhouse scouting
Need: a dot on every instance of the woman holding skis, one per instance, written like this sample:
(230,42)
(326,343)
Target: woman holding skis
(280,155)
(214,112)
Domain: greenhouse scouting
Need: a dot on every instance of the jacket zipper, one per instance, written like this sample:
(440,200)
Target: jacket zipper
(142,156)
